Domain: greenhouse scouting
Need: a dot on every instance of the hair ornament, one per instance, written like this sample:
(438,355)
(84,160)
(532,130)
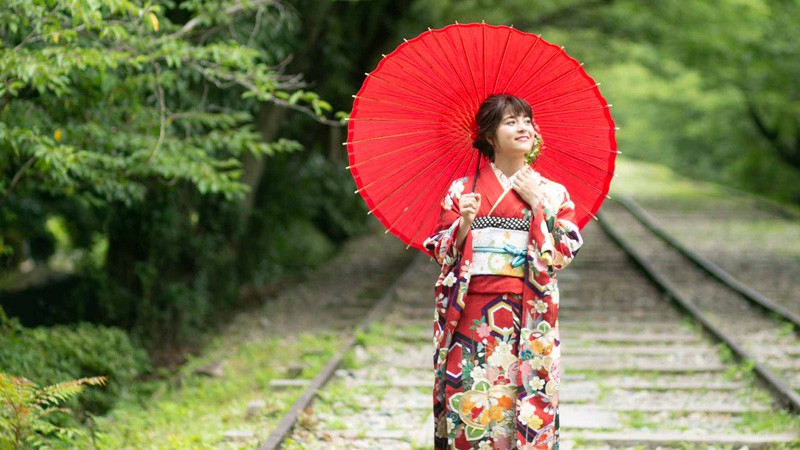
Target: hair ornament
(538,144)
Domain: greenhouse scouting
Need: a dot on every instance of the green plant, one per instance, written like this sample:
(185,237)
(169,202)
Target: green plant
(48,355)
(25,409)
(639,420)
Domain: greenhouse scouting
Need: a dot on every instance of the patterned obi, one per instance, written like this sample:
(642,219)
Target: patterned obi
(499,246)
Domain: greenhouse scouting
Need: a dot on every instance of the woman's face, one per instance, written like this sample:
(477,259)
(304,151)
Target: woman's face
(514,136)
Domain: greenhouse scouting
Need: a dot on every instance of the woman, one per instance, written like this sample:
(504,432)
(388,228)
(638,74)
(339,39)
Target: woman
(500,239)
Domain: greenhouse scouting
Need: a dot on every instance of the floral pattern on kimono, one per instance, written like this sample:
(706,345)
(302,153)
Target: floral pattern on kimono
(553,240)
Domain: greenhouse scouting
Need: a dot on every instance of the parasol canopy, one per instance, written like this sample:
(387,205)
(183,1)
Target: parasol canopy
(411,129)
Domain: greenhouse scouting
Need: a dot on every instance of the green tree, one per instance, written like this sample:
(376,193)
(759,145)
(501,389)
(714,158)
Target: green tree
(750,46)
(101,99)
(135,121)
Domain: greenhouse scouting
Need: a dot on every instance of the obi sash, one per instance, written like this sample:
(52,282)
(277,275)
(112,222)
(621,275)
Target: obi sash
(499,251)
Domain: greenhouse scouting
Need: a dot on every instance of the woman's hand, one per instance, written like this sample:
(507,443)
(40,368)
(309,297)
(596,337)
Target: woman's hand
(526,184)
(469,205)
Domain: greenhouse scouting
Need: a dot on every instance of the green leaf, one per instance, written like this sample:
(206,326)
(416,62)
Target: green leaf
(482,386)
(455,401)
(474,434)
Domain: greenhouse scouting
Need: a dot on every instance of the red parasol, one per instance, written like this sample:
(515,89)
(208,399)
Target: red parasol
(410,131)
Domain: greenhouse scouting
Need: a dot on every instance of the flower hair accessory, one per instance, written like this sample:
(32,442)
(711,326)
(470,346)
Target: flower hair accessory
(538,144)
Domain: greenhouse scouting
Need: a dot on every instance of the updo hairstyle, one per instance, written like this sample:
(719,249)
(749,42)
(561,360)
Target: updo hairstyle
(489,115)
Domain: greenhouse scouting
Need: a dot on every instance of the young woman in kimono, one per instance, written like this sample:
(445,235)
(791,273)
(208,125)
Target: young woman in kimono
(497,356)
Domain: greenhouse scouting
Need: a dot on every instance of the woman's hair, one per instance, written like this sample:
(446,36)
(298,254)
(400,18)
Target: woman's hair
(490,114)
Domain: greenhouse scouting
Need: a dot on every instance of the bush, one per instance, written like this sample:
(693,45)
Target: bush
(50,355)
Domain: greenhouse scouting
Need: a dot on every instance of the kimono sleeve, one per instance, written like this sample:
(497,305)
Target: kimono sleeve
(562,236)
(441,244)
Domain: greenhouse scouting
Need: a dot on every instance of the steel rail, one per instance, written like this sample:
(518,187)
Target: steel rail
(782,393)
(284,428)
(709,267)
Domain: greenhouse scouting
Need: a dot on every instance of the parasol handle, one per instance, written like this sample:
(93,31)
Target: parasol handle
(477,169)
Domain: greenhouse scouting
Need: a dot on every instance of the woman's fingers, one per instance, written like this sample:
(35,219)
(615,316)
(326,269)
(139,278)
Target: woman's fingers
(471,199)
(470,204)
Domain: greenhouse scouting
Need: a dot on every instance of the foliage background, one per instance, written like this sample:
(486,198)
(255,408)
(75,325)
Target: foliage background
(162,164)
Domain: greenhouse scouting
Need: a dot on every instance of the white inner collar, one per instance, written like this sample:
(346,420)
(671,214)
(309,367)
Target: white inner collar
(505,181)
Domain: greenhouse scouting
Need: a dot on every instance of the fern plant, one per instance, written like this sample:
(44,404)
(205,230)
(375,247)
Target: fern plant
(25,407)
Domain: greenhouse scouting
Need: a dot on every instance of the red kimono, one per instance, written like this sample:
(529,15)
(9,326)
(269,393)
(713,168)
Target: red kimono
(497,359)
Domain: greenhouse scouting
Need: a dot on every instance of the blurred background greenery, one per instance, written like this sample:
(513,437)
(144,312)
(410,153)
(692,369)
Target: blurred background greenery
(160,159)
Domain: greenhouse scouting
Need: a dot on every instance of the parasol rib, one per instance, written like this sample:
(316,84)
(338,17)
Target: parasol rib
(385,154)
(441,195)
(415,93)
(396,170)
(450,62)
(405,63)
(572,174)
(388,136)
(519,64)
(377,100)
(586,210)
(483,56)
(419,196)
(542,86)
(564,95)
(502,60)
(580,100)
(388,119)
(555,149)
(567,125)
(579,204)
(542,67)
(466,58)
(460,107)
(588,108)
(570,153)
(572,141)
(414,177)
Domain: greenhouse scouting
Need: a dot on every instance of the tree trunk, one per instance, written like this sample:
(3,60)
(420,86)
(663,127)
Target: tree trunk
(268,123)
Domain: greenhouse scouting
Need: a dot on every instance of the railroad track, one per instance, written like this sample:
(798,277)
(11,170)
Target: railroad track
(644,371)
(372,396)
(759,331)
(706,369)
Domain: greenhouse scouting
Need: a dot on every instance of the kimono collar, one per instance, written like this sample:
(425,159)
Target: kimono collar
(505,181)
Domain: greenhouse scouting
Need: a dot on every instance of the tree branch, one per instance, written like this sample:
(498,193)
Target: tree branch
(17,177)
(193,23)
(248,85)
(162,105)
(32,37)
(790,154)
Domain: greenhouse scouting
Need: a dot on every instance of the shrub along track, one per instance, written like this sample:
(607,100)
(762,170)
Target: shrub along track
(636,371)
